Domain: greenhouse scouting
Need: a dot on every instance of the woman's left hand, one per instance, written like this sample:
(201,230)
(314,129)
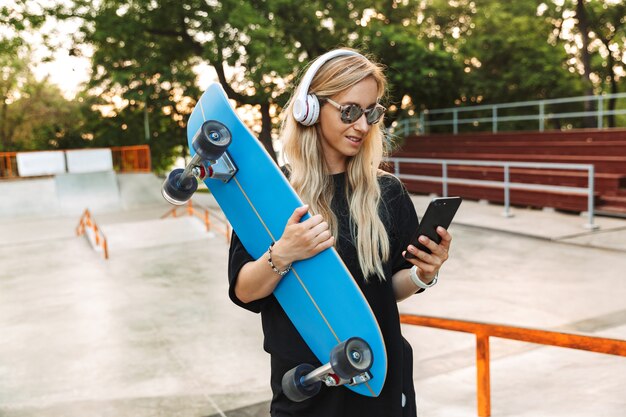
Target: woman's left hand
(428,265)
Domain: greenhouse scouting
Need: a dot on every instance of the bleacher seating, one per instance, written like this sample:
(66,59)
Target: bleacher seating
(605,149)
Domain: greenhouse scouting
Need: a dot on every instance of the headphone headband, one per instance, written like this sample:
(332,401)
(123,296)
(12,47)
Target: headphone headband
(306,107)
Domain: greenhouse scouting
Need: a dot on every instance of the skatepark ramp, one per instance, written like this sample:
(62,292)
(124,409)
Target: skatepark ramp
(151,233)
(195,224)
(484,331)
(118,238)
(210,218)
(70,194)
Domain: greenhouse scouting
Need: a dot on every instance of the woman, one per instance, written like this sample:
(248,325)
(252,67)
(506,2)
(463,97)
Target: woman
(333,141)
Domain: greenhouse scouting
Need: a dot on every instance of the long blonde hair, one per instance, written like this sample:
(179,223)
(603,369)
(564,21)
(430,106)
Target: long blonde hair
(310,175)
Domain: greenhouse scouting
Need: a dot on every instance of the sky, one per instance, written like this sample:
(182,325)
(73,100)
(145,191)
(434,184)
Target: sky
(70,72)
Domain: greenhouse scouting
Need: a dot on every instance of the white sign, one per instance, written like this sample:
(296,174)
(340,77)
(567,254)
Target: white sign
(31,164)
(89,160)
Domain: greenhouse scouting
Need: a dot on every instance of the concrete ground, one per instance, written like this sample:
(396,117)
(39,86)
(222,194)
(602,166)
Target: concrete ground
(151,331)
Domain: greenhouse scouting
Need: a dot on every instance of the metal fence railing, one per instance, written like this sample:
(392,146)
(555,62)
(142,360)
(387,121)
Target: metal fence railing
(494,115)
(483,331)
(505,184)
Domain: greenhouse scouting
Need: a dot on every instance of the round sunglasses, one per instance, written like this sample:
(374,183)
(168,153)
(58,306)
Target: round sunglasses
(350,113)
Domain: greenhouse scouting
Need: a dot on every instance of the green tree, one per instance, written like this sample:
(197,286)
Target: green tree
(503,49)
(422,73)
(145,51)
(33,113)
(595,44)
(507,56)
(608,25)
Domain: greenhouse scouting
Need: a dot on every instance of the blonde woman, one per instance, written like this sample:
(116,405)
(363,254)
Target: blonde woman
(333,141)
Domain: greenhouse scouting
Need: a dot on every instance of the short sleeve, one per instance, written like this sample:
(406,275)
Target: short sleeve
(238,256)
(404,222)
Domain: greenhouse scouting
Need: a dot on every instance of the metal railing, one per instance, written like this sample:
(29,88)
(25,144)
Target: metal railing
(484,331)
(204,214)
(506,184)
(539,114)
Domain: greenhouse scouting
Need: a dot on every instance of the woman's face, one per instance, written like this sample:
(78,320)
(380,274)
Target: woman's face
(341,141)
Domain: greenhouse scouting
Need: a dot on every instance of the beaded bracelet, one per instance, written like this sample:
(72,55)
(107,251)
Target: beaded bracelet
(269,261)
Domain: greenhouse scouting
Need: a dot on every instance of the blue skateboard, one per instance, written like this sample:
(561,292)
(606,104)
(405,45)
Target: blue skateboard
(319,295)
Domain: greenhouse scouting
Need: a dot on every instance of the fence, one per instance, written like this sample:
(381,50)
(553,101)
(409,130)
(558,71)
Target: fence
(484,331)
(125,159)
(494,117)
(505,184)
(131,158)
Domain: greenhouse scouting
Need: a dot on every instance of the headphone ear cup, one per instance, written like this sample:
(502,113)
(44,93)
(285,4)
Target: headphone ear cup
(313,110)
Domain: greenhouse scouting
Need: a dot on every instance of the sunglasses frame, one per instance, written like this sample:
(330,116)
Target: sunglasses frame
(343,107)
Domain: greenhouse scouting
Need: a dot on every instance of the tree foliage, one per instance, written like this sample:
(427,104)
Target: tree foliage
(145,56)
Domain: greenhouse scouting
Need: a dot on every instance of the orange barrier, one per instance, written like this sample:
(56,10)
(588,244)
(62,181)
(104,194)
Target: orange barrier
(8,165)
(203,213)
(125,159)
(131,158)
(86,220)
(485,330)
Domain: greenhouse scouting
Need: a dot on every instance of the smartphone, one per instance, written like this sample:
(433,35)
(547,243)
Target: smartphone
(440,212)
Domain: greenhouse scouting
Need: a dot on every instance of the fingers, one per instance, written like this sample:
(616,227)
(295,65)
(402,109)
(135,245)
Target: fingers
(319,234)
(446,237)
(423,261)
(304,239)
(297,214)
(324,244)
(440,250)
(430,263)
(428,268)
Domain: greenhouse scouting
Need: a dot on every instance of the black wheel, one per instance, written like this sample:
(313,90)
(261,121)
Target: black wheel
(178,192)
(211,140)
(351,358)
(292,384)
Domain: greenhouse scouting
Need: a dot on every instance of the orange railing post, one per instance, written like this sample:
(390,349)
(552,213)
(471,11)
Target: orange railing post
(7,160)
(483,385)
(484,331)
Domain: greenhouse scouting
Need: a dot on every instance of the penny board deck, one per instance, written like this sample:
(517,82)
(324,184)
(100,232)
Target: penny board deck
(319,295)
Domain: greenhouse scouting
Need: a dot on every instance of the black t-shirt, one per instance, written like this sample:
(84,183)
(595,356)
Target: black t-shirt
(287,348)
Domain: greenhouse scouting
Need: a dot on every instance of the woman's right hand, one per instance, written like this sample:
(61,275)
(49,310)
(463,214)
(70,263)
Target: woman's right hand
(301,240)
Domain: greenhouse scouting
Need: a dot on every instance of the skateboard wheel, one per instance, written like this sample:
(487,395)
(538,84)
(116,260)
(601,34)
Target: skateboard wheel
(351,358)
(211,140)
(178,192)
(293,387)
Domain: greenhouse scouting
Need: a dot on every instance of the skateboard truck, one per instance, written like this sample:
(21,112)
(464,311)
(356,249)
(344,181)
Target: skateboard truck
(350,362)
(210,161)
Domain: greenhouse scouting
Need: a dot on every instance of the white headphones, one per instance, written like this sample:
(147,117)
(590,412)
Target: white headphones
(306,107)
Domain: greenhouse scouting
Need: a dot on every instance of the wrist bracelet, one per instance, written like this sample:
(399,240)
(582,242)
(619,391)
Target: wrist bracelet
(269,261)
(417,281)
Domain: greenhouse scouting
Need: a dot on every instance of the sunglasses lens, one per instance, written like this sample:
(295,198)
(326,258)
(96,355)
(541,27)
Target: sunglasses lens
(374,115)
(351,113)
